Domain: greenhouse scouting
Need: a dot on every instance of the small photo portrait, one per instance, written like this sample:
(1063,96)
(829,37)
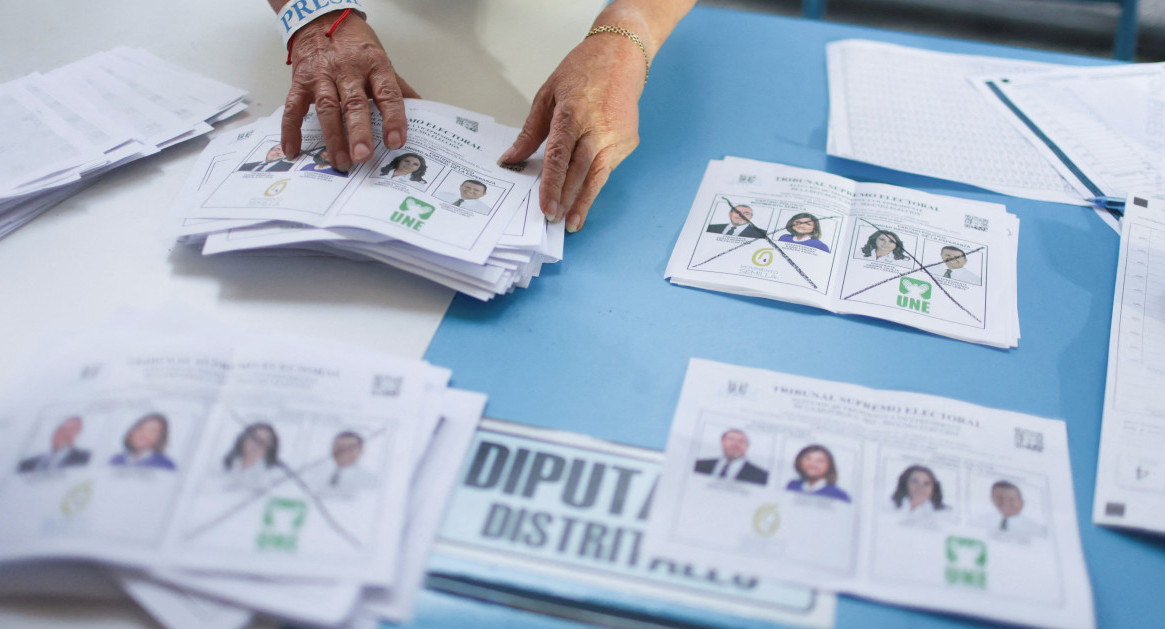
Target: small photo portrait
(253,459)
(816,474)
(737,220)
(406,166)
(883,245)
(345,471)
(1015,510)
(270,160)
(803,228)
(918,493)
(468,193)
(732,464)
(320,162)
(957,264)
(63,450)
(144,445)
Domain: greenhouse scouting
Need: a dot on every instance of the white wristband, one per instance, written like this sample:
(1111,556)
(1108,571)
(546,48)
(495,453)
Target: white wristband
(297,13)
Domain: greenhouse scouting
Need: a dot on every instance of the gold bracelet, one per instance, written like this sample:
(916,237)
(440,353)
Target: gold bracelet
(619,30)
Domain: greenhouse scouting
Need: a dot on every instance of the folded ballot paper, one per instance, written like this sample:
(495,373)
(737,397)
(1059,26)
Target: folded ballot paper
(899,497)
(941,264)
(215,475)
(439,207)
(69,126)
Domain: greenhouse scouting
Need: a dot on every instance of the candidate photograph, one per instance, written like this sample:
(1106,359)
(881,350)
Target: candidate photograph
(321,163)
(804,229)
(407,168)
(1009,518)
(273,161)
(63,451)
(145,444)
(733,464)
(343,473)
(956,266)
(884,246)
(918,494)
(816,474)
(468,195)
(253,459)
(739,223)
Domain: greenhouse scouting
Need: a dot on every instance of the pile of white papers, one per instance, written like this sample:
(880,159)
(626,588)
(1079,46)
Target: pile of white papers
(941,264)
(67,127)
(439,207)
(900,497)
(1130,473)
(216,474)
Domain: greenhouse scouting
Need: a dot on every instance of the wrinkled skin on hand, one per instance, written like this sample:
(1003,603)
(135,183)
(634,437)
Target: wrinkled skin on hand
(588,113)
(339,74)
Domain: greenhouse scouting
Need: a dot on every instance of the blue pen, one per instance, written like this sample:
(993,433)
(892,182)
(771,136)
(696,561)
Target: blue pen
(1107,202)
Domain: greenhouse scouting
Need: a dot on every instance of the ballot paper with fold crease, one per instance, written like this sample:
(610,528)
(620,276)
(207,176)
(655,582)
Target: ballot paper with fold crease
(215,474)
(65,128)
(937,263)
(439,207)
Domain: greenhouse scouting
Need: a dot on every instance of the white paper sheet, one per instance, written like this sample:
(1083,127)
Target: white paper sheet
(901,497)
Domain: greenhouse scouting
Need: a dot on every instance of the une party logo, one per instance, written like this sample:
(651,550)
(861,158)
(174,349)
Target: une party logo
(914,294)
(412,213)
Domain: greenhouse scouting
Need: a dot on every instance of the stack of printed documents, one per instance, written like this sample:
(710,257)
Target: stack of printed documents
(899,497)
(439,207)
(216,474)
(69,126)
(941,264)
(1068,134)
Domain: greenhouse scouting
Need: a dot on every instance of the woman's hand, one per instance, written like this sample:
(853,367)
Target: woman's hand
(339,74)
(588,113)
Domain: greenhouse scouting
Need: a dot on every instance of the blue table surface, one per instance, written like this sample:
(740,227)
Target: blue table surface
(600,342)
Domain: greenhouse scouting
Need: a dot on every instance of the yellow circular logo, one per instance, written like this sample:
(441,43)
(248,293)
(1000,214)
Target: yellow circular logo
(762,257)
(276,188)
(77,498)
(767,519)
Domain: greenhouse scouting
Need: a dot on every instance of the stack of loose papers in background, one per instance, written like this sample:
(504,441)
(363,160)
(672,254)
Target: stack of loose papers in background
(215,474)
(65,128)
(953,272)
(900,497)
(439,207)
(1130,474)
(1035,130)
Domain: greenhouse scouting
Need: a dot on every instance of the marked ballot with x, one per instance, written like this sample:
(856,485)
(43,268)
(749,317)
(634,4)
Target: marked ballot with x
(937,263)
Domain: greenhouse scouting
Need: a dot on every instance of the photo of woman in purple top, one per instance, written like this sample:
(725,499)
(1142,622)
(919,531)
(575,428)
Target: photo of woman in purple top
(145,444)
(818,474)
(804,229)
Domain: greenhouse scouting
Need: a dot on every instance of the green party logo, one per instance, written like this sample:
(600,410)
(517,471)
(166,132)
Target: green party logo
(412,213)
(276,188)
(966,562)
(282,520)
(914,294)
(762,257)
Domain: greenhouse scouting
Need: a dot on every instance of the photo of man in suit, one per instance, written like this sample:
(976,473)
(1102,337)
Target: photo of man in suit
(273,162)
(1008,501)
(469,192)
(733,465)
(955,259)
(344,475)
(64,452)
(739,224)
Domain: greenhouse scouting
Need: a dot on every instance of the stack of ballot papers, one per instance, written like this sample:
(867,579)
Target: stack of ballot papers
(906,498)
(217,474)
(69,126)
(439,207)
(941,264)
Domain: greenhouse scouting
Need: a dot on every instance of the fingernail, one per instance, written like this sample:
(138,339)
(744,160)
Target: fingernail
(552,212)
(394,140)
(361,151)
(506,157)
(573,222)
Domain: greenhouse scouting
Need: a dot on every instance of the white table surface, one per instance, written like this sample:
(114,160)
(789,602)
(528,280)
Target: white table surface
(109,246)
